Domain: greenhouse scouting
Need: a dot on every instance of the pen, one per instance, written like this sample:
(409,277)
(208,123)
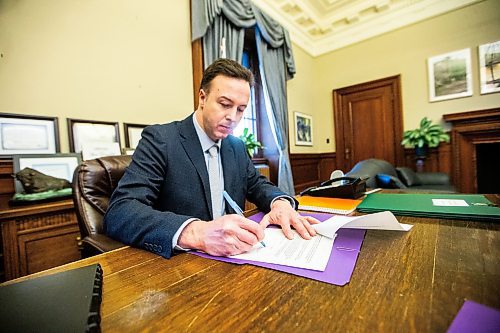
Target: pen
(236,208)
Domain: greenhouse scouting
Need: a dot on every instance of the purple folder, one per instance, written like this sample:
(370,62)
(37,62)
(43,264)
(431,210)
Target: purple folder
(340,265)
(475,317)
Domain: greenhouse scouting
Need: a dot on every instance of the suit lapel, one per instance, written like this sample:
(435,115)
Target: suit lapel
(192,147)
(228,165)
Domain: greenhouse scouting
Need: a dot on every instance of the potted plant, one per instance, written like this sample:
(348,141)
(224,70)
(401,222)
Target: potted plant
(428,135)
(250,142)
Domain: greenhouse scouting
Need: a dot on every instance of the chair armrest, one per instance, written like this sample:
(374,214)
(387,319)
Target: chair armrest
(433,178)
(102,243)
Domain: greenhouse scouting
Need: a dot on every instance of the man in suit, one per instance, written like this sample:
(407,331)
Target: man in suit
(166,200)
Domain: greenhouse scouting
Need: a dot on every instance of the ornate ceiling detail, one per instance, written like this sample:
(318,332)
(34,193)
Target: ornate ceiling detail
(321,26)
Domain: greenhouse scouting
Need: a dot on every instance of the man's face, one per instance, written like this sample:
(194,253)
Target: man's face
(221,109)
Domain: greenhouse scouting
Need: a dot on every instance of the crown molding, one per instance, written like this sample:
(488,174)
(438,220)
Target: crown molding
(320,34)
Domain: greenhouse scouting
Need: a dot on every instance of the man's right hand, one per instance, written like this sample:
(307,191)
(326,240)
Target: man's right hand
(228,235)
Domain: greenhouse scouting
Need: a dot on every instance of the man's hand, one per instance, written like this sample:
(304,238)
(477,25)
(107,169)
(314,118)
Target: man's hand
(283,214)
(225,236)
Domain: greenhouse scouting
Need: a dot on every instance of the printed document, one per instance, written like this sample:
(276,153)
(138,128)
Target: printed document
(315,253)
(297,252)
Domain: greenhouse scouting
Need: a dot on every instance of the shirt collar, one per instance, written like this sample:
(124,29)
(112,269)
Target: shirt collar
(205,140)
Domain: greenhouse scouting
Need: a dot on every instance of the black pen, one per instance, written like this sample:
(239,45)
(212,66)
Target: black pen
(236,208)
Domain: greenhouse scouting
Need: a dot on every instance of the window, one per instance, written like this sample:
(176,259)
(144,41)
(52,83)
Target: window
(250,116)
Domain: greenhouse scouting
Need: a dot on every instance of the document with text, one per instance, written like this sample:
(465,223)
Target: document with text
(297,252)
(315,253)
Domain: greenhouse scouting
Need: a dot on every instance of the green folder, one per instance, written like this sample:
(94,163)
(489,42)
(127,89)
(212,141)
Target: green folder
(409,204)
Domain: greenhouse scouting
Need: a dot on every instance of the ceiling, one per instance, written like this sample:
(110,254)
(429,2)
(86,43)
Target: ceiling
(321,26)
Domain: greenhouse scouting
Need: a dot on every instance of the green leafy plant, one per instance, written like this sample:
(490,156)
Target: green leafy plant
(427,134)
(250,142)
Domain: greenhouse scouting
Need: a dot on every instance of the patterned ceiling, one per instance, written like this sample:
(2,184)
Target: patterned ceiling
(321,26)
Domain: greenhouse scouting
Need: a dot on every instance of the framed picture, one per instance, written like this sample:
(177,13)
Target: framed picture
(303,129)
(132,134)
(489,67)
(55,165)
(23,134)
(92,134)
(450,75)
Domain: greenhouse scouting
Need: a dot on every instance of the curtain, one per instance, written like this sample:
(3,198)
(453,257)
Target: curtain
(222,24)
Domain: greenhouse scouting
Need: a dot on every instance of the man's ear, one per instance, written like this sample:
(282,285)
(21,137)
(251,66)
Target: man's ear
(202,96)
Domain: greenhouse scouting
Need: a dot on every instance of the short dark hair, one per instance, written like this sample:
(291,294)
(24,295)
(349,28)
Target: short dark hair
(225,67)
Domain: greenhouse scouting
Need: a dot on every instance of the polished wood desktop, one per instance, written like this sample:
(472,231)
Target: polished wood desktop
(403,282)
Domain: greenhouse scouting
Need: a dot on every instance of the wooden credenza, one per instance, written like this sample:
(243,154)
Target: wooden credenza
(38,237)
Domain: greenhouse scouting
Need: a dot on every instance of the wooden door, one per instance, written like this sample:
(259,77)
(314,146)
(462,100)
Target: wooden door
(368,122)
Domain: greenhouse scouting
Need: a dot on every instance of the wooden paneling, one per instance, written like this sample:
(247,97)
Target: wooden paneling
(438,159)
(263,169)
(6,177)
(311,169)
(37,237)
(470,129)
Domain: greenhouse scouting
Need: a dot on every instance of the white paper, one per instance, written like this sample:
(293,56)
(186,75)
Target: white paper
(378,221)
(297,252)
(315,253)
(449,202)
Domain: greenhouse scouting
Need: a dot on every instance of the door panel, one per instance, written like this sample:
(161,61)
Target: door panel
(368,123)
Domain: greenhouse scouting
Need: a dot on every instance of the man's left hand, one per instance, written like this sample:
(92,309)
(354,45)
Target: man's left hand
(283,214)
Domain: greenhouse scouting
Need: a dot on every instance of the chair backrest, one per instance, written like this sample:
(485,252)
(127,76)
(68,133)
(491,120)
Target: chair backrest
(370,168)
(93,183)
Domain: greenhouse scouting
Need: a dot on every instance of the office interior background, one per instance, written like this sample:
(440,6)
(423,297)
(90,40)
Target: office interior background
(131,62)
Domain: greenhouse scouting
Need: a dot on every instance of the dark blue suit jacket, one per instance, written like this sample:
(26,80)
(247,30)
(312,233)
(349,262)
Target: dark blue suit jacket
(167,183)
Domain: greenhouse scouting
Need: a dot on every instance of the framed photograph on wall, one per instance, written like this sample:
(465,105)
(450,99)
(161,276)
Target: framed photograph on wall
(132,134)
(450,75)
(489,67)
(303,129)
(55,165)
(94,135)
(24,134)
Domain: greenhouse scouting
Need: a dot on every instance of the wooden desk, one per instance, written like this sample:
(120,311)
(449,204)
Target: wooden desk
(403,282)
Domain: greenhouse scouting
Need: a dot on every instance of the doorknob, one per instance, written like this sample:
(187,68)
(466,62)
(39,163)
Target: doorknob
(347,154)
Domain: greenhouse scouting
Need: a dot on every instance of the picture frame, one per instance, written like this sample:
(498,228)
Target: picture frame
(450,75)
(303,129)
(489,67)
(92,133)
(26,134)
(132,134)
(55,165)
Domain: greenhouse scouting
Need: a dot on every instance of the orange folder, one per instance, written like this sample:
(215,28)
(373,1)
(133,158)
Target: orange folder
(328,205)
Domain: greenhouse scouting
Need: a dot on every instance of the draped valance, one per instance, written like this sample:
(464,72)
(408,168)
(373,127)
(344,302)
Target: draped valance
(242,14)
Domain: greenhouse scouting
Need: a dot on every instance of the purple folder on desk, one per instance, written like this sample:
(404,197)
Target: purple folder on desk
(340,265)
(475,317)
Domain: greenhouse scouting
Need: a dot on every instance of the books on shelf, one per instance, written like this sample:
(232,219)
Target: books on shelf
(328,205)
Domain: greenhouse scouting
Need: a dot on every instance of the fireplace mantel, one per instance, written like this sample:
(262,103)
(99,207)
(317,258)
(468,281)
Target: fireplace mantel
(468,130)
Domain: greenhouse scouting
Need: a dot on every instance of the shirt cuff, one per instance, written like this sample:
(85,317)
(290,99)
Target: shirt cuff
(284,197)
(175,239)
